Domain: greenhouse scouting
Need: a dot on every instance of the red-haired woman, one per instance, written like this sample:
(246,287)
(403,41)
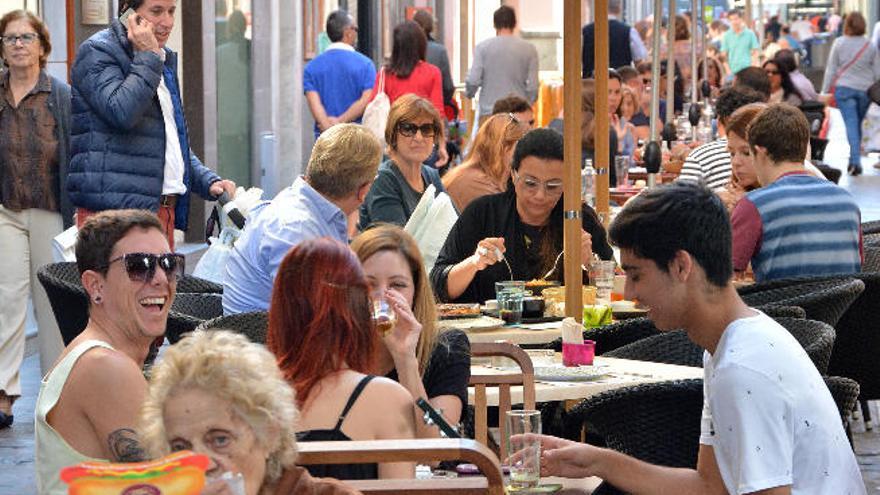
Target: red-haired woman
(322,334)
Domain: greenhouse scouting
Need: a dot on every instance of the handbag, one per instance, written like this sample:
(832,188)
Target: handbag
(874,93)
(832,102)
(376,113)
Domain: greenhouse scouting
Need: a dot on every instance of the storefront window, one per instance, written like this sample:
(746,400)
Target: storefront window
(9,5)
(234,123)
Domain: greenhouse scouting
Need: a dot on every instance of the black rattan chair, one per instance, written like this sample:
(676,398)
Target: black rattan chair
(655,422)
(845,393)
(816,337)
(871,227)
(783,311)
(68,298)
(824,299)
(190,310)
(191,284)
(871,263)
(668,347)
(253,325)
(618,334)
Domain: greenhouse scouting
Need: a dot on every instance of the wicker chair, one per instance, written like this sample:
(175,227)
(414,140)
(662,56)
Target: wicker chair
(68,298)
(845,393)
(824,299)
(872,240)
(871,263)
(190,310)
(871,227)
(253,325)
(783,311)
(668,347)
(610,337)
(191,284)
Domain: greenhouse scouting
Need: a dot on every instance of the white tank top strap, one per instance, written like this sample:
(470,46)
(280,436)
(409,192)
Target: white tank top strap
(53,382)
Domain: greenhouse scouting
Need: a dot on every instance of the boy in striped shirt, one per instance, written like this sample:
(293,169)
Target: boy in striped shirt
(795,224)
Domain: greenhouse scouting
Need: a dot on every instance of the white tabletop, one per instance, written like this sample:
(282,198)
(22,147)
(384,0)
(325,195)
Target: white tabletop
(528,334)
(621,373)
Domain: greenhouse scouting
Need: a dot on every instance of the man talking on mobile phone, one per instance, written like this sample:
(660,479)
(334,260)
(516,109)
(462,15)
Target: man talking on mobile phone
(129,143)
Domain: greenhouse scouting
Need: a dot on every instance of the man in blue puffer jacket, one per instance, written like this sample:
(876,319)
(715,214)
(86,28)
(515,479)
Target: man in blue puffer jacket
(129,143)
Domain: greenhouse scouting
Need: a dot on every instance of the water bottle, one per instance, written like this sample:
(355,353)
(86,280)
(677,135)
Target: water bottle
(588,183)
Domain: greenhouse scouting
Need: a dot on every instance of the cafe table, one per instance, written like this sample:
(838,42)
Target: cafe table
(617,373)
(523,334)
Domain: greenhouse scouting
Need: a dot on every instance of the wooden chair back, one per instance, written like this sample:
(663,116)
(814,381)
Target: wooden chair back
(414,450)
(526,378)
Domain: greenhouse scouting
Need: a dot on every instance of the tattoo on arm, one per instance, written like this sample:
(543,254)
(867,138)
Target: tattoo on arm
(125,446)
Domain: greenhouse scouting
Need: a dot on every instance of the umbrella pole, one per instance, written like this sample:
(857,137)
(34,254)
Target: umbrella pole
(694,30)
(705,37)
(572,151)
(670,64)
(655,78)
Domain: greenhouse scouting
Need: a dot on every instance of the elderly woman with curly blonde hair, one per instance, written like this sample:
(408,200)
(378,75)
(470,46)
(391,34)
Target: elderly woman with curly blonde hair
(217,394)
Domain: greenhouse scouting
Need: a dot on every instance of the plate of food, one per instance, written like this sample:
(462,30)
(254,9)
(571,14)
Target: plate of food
(478,324)
(560,373)
(455,311)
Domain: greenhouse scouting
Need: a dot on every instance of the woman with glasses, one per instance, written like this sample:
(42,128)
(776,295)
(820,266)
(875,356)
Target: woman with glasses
(35,123)
(782,90)
(515,235)
(486,170)
(414,128)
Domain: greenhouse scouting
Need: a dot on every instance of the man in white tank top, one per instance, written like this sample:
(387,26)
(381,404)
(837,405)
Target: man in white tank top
(769,424)
(89,401)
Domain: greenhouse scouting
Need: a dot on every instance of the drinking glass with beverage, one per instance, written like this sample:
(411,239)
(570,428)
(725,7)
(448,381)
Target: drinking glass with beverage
(602,277)
(621,169)
(383,315)
(524,451)
(509,294)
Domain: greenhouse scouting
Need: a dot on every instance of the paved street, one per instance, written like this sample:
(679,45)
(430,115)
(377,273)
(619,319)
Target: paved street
(17,444)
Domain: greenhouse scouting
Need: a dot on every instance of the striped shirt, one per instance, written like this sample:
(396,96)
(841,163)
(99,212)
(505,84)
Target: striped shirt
(799,225)
(708,164)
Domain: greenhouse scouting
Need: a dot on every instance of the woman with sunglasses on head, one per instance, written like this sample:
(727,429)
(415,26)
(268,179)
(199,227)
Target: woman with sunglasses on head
(782,89)
(35,123)
(322,333)
(431,363)
(522,225)
(414,128)
(486,170)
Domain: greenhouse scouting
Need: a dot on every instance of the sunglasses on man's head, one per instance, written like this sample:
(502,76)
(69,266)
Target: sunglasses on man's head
(409,129)
(141,267)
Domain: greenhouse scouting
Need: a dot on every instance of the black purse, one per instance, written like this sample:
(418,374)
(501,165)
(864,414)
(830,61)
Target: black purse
(874,92)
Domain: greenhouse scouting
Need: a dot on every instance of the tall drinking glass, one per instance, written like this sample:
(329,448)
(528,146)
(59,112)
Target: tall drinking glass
(621,168)
(602,276)
(524,452)
(510,295)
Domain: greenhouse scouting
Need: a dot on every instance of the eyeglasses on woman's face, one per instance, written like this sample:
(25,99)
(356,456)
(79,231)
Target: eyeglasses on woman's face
(531,185)
(26,39)
(408,129)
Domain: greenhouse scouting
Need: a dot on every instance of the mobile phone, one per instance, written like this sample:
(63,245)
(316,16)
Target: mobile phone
(432,417)
(125,15)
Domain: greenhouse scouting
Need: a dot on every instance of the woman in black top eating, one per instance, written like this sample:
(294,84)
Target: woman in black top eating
(523,225)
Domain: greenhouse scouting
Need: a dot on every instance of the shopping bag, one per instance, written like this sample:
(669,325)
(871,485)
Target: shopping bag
(430,224)
(376,113)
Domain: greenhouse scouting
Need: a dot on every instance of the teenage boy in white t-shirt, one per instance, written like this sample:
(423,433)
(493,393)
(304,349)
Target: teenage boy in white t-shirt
(769,423)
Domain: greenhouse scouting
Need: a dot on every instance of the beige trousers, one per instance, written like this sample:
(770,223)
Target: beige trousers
(25,245)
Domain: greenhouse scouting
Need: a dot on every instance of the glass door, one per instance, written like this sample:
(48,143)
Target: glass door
(233,35)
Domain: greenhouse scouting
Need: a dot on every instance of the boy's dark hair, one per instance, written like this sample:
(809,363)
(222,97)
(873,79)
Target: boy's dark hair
(424,19)
(755,78)
(732,99)
(627,72)
(783,130)
(96,238)
(540,143)
(504,18)
(680,216)
(511,104)
(785,58)
(337,21)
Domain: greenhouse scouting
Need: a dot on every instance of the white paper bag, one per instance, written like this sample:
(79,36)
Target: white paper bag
(430,224)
